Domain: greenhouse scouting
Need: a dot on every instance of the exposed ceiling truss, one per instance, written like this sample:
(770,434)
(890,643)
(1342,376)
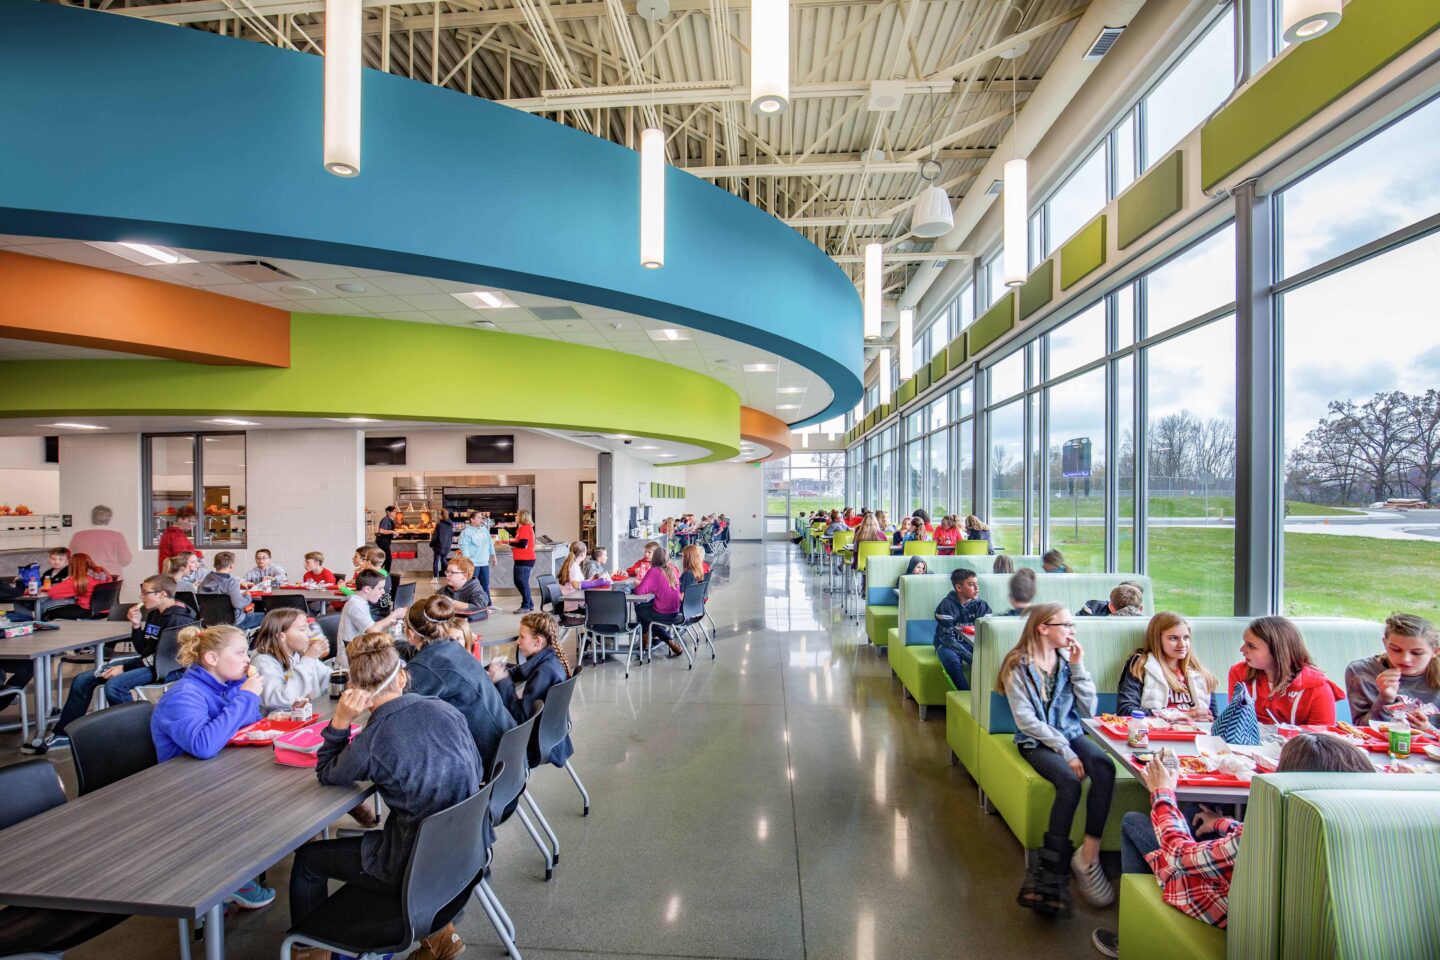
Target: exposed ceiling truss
(833,167)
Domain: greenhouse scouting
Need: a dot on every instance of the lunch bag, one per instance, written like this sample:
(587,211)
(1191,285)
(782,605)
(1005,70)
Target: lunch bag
(1237,723)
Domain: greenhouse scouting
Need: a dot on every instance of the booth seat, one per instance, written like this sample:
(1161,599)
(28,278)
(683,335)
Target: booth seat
(882,578)
(1020,794)
(1331,865)
(912,654)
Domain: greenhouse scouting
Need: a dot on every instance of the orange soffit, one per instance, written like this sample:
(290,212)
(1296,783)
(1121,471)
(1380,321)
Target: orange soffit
(759,427)
(48,301)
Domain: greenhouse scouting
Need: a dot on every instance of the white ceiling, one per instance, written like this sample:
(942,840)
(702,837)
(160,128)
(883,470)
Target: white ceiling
(29,350)
(425,300)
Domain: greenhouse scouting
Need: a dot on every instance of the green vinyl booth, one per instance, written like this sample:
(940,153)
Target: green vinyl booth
(1332,865)
(980,728)
(882,581)
(912,652)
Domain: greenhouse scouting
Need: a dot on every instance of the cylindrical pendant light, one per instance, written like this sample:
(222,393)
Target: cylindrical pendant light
(1307,19)
(873,286)
(652,198)
(769,57)
(906,346)
(1016,234)
(343,21)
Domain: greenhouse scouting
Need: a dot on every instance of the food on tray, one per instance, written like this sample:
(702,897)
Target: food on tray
(1112,719)
(1349,729)
(261,735)
(1193,765)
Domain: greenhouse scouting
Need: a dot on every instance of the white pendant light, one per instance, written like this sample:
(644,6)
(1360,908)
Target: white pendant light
(933,216)
(343,20)
(873,279)
(769,57)
(1308,19)
(1016,206)
(906,346)
(652,198)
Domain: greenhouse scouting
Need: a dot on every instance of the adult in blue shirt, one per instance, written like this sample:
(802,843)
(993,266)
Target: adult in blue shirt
(477,547)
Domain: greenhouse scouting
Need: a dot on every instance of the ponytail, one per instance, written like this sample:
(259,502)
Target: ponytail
(195,642)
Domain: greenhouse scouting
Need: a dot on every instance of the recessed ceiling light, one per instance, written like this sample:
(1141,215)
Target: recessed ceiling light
(145,254)
(351,287)
(759,368)
(487,325)
(664,454)
(667,335)
(484,299)
(352,419)
(298,290)
(80,426)
(232,422)
(791,390)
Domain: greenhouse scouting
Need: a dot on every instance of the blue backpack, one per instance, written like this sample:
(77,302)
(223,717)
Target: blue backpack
(1237,723)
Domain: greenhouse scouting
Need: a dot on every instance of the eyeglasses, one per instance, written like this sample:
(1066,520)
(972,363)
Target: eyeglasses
(449,572)
(1067,624)
(151,593)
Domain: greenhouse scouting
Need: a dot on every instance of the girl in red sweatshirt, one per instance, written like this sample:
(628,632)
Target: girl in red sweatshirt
(1280,677)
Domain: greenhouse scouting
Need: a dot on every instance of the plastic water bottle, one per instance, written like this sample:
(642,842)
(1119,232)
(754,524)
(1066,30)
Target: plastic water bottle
(1137,736)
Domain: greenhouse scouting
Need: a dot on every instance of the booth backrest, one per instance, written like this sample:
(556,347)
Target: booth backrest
(1330,866)
(1109,642)
(917,606)
(882,574)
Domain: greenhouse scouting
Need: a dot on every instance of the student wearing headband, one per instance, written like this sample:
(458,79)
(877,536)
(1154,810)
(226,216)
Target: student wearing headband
(418,753)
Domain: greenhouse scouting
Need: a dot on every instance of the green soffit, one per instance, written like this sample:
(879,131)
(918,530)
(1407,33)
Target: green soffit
(1153,200)
(1309,77)
(1083,253)
(333,373)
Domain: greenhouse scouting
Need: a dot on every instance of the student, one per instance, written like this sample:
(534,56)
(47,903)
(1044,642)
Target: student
(1403,682)
(1053,562)
(960,607)
(58,570)
(663,583)
(1022,592)
(184,569)
(32,607)
(522,553)
(640,567)
(835,525)
(373,558)
(1003,564)
(441,539)
(157,612)
(693,568)
(356,617)
(419,754)
(916,532)
(1281,678)
(947,535)
(264,569)
(462,587)
(1049,691)
(977,529)
(545,665)
(290,661)
(222,580)
(1127,599)
(924,519)
(385,535)
(218,694)
(176,537)
(1165,673)
(315,571)
(572,568)
(440,668)
(477,547)
(916,567)
(108,548)
(598,564)
(76,587)
(870,531)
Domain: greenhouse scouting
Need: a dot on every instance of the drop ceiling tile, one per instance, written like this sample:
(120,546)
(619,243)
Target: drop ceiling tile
(329,305)
(73,251)
(463,316)
(379,304)
(433,301)
(403,286)
(310,271)
(193,274)
(211,256)
(534,300)
(15,240)
(291,291)
(415,316)
(248,291)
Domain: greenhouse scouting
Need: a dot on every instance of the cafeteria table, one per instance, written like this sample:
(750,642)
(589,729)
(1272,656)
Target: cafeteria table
(41,646)
(173,840)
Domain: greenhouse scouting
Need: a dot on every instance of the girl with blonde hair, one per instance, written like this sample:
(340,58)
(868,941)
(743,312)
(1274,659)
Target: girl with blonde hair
(1166,673)
(290,660)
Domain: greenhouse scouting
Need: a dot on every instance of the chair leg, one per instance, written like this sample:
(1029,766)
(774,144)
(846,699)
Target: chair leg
(584,794)
(714,633)
(544,825)
(499,919)
(540,843)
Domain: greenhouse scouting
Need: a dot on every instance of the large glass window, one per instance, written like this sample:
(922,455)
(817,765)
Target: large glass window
(1007,477)
(176,466)
(1197,281)
(1080,340)
(1193,88)
(1007,377)
(1075,463)
(1077,201)
(939,492)
(915,475)
(964,312)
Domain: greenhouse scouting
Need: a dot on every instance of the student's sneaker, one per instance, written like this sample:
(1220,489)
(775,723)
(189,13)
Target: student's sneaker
(1094,886)
(252,896)
(54,741)
(1105,942)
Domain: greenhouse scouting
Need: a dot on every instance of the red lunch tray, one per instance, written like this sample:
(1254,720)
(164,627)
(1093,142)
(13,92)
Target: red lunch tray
(1121,731)
(1203,779)
(284,726)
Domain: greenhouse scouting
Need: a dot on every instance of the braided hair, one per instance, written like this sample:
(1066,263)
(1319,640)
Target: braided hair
(544,625)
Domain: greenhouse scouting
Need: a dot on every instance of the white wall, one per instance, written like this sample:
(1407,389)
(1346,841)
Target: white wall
(306,492)
(629,473)
(105,468)
(26,478)
(558,466)
(734,489)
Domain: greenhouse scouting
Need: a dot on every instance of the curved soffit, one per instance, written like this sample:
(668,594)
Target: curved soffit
(759,427)
(451,187)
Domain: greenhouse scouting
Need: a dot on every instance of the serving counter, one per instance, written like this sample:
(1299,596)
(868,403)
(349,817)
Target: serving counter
(548,558)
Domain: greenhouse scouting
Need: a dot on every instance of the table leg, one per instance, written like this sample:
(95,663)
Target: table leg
(42,696)
(215,932)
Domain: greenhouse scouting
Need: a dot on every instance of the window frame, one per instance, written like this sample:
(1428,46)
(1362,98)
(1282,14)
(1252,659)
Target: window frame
(147,491)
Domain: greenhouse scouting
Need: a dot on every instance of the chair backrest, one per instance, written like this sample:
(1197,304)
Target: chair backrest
(283,602)
(920,548)
(554,724)
(606,611)
(120,613)
(187,597)
(404,595)
(511,766)
(215,609)
(392,584)
(692,601)
(446,861)
(28,788)
(867,550)
(167,653)
(550,595)
(972,548)
(111,744)
(103,598)
(842,540)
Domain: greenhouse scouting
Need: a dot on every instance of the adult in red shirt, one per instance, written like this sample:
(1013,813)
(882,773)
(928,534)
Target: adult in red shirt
(522,550)
(107,548)
(176,538)
(1280,676)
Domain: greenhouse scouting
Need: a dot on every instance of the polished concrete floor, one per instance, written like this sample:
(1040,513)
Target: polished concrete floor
(777,802)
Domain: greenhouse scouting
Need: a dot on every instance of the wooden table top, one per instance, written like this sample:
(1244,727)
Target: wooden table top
(308,594)
(170,841)
(72,635)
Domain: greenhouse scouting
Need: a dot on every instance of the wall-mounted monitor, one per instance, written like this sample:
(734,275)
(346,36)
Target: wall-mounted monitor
(384,451)
(490,448)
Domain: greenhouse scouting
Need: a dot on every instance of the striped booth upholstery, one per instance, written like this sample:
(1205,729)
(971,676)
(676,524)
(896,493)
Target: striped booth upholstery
(980,728)
(1336,865)
(882,580)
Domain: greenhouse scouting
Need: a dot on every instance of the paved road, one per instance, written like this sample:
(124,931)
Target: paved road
(1381,524)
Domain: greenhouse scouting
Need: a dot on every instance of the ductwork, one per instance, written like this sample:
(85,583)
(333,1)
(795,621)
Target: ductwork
(1062,81)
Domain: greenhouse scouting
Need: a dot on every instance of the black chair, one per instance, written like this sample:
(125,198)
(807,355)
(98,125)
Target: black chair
(510,769)
(330,626)
(403,594)
(285,602)
(393,585)
(550,594)
(607,615)
(446,864)
(191,600)
(111,744)
(554,726)
(27,789)
(692,616)
(103,598)
(215,609)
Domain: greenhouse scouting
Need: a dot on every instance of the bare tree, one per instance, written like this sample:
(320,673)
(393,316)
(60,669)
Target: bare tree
(1381,434)
(1216,454)
(1424,459)
(1175,441)
(1324,466)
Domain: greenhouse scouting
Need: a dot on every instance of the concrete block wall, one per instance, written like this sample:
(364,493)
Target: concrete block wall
(306,491)
(105,468)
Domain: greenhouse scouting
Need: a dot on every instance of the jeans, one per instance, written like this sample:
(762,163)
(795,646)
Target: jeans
(21,673)
(1098,768)
(384,544)
(249,621)
(954,666)
(522,583)
(1137,838)
(321,861)
(646,614)
(483,575)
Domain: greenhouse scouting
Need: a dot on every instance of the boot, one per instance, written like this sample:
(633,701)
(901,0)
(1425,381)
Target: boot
(365,817)
(1029,896)
(441,945)
(1055,876)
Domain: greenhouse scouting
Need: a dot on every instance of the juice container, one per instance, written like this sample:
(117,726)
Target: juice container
(1399,742)
(1137,735)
